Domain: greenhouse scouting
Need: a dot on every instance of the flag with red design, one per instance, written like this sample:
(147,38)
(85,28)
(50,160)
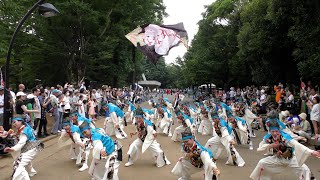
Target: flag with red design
(156,41)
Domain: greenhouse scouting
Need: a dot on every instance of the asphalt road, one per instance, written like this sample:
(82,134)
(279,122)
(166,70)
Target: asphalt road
(54,164)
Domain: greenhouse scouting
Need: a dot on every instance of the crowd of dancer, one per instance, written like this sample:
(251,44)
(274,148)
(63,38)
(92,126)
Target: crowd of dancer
(227,120)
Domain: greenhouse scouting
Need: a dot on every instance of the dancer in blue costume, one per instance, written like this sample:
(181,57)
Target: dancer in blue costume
(287,152)
(195,159)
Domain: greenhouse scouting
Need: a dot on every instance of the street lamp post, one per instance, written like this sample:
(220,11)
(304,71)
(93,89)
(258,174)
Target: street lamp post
(46,10)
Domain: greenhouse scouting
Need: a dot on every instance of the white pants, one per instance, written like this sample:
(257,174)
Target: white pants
(129,116)
(216,145)
(205,127)
(269,166)
(24,161)
(176,136)
(100,168)
(110,130)
(163,126)
(135,149)
(304,134)
(76,152)
(184,169)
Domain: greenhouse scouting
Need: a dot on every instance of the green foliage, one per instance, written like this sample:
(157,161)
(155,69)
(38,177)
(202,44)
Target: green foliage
(256,41)
(85,40)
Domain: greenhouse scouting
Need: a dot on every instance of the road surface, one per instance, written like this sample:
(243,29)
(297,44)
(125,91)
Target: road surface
(54,164)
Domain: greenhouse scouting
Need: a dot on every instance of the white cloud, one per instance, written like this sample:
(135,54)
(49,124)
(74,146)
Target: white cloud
(188,12)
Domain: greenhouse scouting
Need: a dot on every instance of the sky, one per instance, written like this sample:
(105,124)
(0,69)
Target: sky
(188,12)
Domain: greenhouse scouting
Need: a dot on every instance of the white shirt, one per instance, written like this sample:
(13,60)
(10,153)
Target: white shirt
(315,113)
(37,106)
(232,94)
(81,109)
(312,96)
(262,99)
(291,98)
(84,97)
(98,97)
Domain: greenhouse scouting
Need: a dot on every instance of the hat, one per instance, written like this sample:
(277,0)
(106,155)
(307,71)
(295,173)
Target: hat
(31,96)
(104,104)
(66,122)
(273,125)
(55,91)
(139,112)
(84,126)
(285,113)
(17,119)
(303,116)
(272,114)
(73,113)
(21,93)
(186,134)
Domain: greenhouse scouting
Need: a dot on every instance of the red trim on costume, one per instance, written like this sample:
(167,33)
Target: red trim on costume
(261,169)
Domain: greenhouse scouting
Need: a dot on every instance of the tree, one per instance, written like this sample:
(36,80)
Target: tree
(85,40)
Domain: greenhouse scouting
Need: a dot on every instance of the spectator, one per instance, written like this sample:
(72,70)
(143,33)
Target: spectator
(313,94)
(21,108)
(36,106)
(43,120)
(303,129)
(278,91)
(289,100)
(21,88)
(315,114)
(54,104)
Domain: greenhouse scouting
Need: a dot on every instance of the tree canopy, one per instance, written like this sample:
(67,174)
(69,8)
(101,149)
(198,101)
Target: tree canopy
(255,41)
(85,40)
(239,42)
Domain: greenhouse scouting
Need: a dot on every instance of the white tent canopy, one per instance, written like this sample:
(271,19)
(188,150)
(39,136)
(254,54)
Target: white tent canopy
(204,86)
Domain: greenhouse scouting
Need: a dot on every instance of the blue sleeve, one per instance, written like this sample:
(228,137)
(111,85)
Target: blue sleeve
(111,108)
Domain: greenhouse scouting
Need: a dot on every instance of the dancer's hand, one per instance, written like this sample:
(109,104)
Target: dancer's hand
(232,142)
(103,153)
(82,145)
(216,171)
(315,154)
(116,126)
(274,145)
(132,134)
(155,135)
(7,149)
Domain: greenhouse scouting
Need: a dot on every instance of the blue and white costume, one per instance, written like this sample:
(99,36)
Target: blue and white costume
(78,153)
(115,118)
(24,152)
(104,168)
(205,127)
(296,155)
(164,121)
(195,159)
(186,122)
(130,112)
(222,138)
(146,141)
